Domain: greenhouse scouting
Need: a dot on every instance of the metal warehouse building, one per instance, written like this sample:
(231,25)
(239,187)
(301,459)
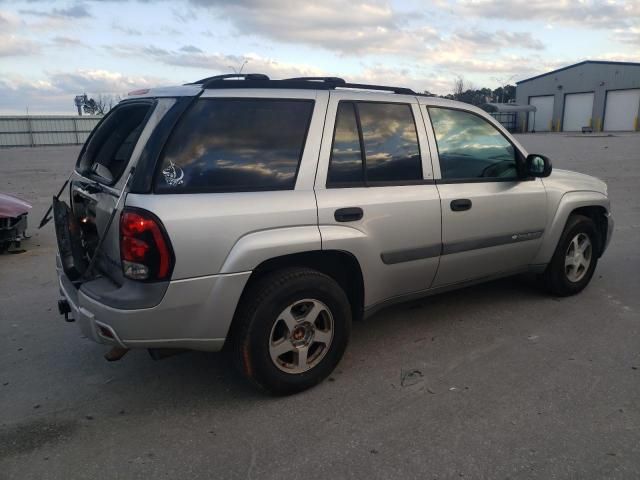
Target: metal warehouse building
(604,96)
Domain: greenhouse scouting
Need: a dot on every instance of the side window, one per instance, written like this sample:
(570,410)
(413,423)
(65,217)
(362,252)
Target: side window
(374,143)
(346,166)
(231,145)
(469,147)
(390,142)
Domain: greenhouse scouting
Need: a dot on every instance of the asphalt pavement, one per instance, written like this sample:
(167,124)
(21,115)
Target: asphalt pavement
(496,381)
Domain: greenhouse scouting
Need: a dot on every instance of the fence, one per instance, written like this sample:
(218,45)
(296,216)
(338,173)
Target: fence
(37,130)
(509,120)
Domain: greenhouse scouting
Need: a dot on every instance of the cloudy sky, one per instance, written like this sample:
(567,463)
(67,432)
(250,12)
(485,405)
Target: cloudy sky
(51,51)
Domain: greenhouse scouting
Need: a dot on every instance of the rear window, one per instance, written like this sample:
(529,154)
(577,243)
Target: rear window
(110,147)
(231,145)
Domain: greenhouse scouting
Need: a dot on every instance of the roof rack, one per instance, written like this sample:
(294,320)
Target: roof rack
(238,76)
(258,80)
(338,82)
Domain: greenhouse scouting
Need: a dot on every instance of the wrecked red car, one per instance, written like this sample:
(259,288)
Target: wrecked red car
(13,220)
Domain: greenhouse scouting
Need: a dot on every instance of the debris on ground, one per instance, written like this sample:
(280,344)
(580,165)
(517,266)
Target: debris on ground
(410,377)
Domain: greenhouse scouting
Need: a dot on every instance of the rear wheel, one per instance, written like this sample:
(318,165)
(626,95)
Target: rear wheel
(575,258)
(291,330)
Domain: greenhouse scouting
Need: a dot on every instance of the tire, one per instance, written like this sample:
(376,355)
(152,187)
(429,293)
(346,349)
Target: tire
(562,279)
(293,311)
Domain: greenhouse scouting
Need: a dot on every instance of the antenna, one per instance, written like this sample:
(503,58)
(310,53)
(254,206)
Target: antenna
(238,72)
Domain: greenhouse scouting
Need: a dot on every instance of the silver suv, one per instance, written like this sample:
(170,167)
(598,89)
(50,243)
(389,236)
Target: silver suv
(265,215)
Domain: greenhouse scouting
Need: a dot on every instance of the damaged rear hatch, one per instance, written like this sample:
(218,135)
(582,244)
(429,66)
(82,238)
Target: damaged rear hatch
(87,226)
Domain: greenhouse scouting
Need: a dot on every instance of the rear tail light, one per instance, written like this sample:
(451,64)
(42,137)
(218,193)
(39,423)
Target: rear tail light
(145,249)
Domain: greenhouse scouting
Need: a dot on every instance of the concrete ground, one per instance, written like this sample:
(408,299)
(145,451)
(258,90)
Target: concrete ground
(495,381)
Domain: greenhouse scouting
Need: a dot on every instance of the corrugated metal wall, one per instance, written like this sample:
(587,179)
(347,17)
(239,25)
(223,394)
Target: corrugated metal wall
(29,131)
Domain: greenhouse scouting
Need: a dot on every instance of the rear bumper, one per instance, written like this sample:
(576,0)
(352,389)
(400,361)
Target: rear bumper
(194,314)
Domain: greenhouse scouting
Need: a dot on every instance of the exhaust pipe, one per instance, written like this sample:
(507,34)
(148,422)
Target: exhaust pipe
(115,354)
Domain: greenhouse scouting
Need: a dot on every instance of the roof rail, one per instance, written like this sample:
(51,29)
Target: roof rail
(337,81)
(364,86)
(258,80)
(237,76)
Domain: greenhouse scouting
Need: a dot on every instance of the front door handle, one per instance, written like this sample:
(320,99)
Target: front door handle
(350,214)
(460,204)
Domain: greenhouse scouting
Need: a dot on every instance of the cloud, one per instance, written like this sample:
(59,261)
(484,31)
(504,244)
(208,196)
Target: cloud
(79,10)
(216,63)
(629,36)
(134,32)
(359,27)
(619,57)
(55,93)
(594,14)
(495,40)
(98,81)
(16,46)
(68,42)
(9,21)
(379,74)
(190,49)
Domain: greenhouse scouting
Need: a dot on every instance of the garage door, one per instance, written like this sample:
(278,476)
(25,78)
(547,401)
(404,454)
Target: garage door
(578,108)
(621,111)
(541,121)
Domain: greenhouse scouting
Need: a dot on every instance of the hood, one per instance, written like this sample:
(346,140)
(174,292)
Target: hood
(567,180)
(11,206)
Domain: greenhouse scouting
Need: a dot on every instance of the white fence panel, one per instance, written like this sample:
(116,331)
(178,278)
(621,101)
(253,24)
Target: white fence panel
(34,130)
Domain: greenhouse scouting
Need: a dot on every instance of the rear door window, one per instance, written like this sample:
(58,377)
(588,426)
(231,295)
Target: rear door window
(234,145)
(374,144)
(346,166)
(110,147)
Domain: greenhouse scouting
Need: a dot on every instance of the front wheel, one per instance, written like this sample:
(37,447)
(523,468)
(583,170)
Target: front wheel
(291,330)
(575,258)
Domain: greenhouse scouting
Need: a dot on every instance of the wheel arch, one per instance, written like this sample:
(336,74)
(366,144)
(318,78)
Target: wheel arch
(598,214)
(594,205)
(341,266)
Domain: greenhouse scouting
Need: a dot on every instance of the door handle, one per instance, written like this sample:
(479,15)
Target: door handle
(460,204)
(350,214)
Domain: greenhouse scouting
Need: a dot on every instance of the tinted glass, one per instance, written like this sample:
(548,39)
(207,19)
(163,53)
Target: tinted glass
(390,142)
(110,148)
(470,147)
(346,158)
(236,145)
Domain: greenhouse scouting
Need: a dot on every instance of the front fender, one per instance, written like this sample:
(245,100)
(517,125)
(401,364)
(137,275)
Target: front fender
(567,204)
(254,248)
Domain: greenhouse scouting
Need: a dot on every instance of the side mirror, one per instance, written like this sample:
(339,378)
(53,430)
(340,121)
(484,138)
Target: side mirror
(537,165)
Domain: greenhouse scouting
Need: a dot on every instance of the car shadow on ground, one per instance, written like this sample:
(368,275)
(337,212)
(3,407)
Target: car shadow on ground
(190,378)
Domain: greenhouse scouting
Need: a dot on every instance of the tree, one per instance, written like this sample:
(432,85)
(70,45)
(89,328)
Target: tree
(505,94)
(464,91)
(104,103)
(458,87)
(99,106)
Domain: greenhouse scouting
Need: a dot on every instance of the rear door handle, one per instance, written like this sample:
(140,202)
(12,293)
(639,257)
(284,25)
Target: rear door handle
(460,204)
(350,214)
